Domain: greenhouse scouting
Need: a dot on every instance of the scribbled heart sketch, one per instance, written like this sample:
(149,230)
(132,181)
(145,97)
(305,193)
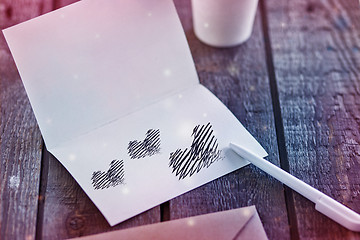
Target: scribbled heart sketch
(148,147)
(111,178)
(202,153)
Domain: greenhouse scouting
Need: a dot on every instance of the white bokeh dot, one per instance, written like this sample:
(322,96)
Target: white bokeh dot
(49,121)
(167,72)
(125,191)
(72,157)
(191,222)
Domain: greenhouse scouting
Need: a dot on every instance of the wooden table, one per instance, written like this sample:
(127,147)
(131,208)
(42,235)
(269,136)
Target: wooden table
(295,85)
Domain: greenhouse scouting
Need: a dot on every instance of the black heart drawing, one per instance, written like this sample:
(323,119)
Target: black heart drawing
(111,178)
(202,153)
(148,147)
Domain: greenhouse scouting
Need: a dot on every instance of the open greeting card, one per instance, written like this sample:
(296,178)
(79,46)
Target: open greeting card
(117,99)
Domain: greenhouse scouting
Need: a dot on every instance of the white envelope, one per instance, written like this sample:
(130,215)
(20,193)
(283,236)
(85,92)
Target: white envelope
(241,223)
(118,102)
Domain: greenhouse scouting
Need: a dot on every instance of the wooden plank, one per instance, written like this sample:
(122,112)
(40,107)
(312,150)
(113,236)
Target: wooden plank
(63,3)
(67,211)
(316,55)
(238,77)
(20,137)
(17,11)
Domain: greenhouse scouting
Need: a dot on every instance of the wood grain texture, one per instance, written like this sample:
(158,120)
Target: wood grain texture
(317,57)
(16,11)
(238,77)
(63,3)
(20,138)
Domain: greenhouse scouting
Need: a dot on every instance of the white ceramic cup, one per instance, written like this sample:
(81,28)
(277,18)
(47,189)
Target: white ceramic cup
(223,23)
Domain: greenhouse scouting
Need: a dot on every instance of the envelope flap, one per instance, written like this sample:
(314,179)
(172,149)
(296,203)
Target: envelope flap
(220,225)
(252,230)
(95,61)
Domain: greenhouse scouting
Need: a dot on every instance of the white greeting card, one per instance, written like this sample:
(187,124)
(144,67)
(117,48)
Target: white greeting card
(117,99)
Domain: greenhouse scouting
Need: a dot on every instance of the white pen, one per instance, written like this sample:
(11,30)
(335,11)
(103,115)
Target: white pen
(323,203)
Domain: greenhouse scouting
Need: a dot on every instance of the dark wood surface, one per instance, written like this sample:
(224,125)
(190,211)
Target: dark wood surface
(295,85)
